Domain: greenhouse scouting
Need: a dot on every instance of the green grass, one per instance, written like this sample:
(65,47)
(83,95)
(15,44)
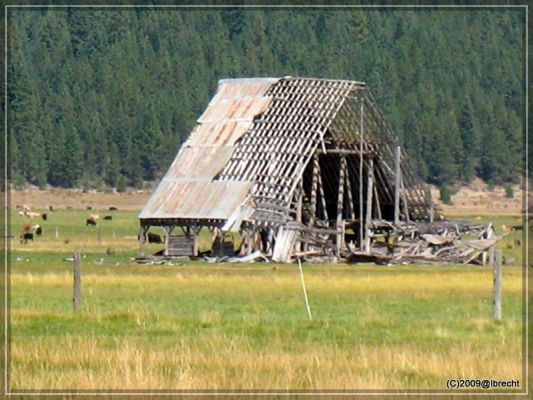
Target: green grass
(222,326)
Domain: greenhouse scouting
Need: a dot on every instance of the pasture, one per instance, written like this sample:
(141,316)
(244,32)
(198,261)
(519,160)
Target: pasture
(220,326)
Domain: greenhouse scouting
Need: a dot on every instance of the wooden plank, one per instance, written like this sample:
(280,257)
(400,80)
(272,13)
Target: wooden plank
(76,271)
(397,180)
(369,194)
(314,188)
(340,202)
(361,139)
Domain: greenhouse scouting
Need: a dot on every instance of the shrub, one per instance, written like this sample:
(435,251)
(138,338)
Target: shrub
(445,194)
(509,192)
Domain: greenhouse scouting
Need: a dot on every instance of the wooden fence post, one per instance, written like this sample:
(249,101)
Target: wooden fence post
(76,298)
(497,302)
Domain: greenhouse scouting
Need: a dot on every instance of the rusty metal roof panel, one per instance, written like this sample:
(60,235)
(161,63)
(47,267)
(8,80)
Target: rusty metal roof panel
(188,190)
(224,133)
(199,162)
(196,199)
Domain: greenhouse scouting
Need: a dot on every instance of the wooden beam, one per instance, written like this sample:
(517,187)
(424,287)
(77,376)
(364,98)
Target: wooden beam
(340,202)
(378,205)
(369,192)
(361,138)
(397,181)
(351,205)
(314,188)
(322,195)
(167,239)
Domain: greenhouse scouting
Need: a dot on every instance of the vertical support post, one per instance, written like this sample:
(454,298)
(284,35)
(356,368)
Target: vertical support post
(314,189)
(76,297)
(322,196)
(497,302)
(196,232)
(369,192)
(361,137)
(167,240)
(340,203)
(397,180)
(378,205)
(299,201)
(99,235)
(142,240)
(431,212)
(350,202)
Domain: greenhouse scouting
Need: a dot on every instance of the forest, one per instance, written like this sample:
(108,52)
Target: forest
(105,96)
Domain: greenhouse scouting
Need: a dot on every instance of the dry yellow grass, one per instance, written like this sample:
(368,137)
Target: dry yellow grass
(371,331)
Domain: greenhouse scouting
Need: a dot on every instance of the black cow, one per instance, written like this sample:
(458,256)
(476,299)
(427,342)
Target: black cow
(91,221)
(25,237)
(108,217)
(112,208)
(44,216)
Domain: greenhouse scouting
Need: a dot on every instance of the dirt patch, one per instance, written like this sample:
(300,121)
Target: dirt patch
(477,199)
(472,199)
(77,199)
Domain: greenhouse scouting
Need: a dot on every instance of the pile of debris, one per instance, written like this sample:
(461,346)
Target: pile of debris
(457,242)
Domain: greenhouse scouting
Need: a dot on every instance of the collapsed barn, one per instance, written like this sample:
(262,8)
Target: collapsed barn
(298,167)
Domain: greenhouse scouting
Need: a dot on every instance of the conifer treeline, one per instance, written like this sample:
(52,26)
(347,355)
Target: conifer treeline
(108,95)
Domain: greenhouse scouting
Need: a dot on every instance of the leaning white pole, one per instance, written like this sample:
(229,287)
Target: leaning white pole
(305,291)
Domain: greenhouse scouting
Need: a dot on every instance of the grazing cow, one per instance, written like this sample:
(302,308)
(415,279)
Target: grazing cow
(25,237)
(154,238)
(89,208)
(37,229)
(44,216)
(92,219)
(112,208)
(51,208)
(517,227)
(108,218)
(26,228)
(31,214)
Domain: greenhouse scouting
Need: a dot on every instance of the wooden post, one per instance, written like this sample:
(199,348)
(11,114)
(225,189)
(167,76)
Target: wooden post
(397,173)
(322,196)
(76,297)
(167,240)
(369,192)
(57,233)
(361,137)
(314,188)
(340,202)
(497,302)
(378,205)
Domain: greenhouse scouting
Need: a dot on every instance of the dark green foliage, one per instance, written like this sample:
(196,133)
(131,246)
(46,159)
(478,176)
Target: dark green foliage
(445,194)
(509,192)
(108,95)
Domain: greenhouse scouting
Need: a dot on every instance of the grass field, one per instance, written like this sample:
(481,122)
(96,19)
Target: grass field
(205,326)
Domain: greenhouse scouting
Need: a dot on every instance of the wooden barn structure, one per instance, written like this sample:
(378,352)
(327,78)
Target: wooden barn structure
(295,165)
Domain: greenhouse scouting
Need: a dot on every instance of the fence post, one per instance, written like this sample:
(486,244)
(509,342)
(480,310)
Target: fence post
(76,298)
(497,302)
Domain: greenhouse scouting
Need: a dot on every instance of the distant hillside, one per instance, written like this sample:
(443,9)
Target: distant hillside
(106,96)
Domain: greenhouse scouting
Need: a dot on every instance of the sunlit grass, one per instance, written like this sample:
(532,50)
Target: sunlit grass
(205,326)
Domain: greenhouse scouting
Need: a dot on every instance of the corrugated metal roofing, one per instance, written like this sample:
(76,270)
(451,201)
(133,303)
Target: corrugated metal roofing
(188,189)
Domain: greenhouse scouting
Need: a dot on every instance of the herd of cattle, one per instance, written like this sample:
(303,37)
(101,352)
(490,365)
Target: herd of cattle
(29,231)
